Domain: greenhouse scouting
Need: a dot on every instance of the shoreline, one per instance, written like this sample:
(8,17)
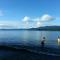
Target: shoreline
(26,53)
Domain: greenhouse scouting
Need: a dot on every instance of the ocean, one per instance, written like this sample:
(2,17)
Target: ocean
(27,37)
(18,38)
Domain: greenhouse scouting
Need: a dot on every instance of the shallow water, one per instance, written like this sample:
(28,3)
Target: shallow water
(29,37)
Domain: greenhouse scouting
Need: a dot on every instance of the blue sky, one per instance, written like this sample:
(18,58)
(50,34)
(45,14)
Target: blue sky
(29,13)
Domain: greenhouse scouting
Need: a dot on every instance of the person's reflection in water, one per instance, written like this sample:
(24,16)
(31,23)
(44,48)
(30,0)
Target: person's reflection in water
(43,43)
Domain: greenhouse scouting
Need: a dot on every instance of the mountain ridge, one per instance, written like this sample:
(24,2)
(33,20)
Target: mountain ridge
(47,28)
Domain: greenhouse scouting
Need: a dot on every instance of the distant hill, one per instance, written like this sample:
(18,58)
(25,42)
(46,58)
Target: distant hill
(54,28)
(45,28)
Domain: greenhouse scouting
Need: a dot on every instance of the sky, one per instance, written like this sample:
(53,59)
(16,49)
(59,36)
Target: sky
(29,13)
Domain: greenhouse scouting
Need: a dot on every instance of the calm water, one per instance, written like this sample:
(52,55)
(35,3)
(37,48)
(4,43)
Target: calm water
(29,37)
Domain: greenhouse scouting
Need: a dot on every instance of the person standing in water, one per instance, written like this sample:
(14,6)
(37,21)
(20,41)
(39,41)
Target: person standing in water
(43,42)
(58,40)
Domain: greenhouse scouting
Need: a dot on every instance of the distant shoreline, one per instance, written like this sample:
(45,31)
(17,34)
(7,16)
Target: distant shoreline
(45,28)
(30,29)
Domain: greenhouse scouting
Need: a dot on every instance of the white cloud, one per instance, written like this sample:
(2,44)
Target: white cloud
(26,22)
(36,22)
(26,18)
(9,24)
(46,18)
(1,13)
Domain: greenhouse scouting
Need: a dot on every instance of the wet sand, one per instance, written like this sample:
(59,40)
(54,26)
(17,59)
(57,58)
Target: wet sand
(24,54)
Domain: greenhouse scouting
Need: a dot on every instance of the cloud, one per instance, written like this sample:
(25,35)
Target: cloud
(46,18)
(1,13)
(38,24)
(26,18)
(9,24)
(38,21)
(26,21)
